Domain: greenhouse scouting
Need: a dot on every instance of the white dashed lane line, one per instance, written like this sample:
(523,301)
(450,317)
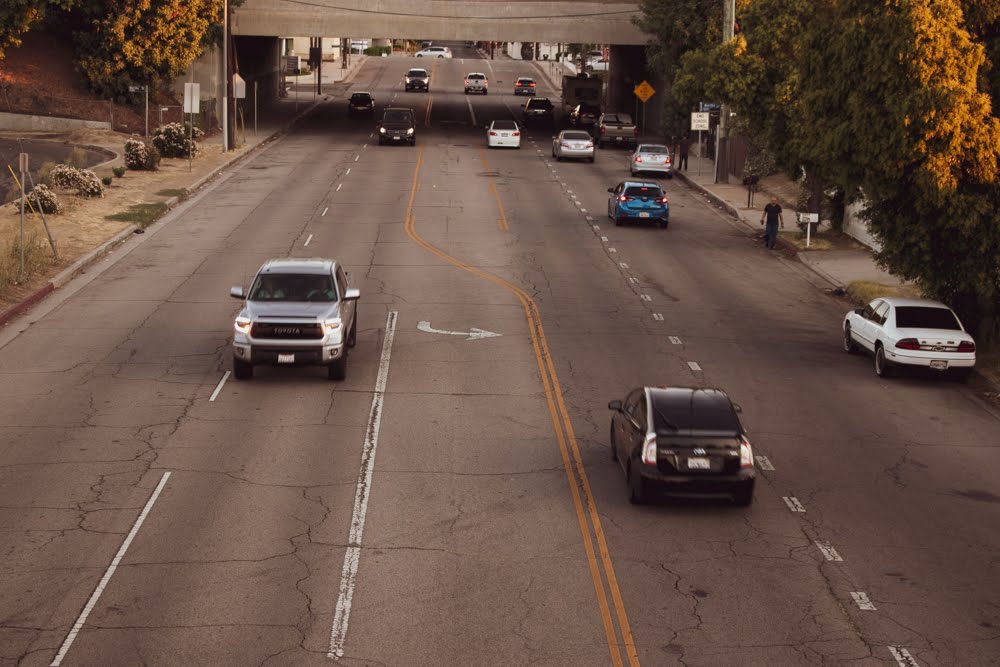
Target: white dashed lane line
(658,317)
(225,376)
(308,240)
(861,598)
(828,551)
(612,250)
(764,463)
(327,208)
(347,172)
(339,185)
(623,265)
(645,297)
(604,239)
(633,279)
(793,504)
(356,157)
(674,340)
(693,365)
(902,656)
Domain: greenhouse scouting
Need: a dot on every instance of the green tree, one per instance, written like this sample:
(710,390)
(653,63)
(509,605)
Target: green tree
(128,42)
(18,16)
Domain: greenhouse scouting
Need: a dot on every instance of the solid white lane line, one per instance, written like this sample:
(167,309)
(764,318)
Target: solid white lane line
(645,297)
(658,317)
(472,114)
(347,172)
(828,551)
(674,340)
(225,376)
(352,557)
(328,208)
(107,575)
(793,503)
(763,463)
(861,598)
(693,365)
(308,240)
(902,656)
(623,265)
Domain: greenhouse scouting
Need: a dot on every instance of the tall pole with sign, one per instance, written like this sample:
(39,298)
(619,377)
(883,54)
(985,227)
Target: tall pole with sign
(699,122)
(192,105)
(644,91)
(23,164)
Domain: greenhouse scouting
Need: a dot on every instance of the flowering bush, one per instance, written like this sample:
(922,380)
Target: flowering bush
(66,177)
(172,140)
(41,199)
(135,154)
(90,184)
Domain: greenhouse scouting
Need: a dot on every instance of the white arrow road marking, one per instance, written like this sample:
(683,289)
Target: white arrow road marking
(96,595)
(902,656)
(863,602)
(828,551)
(793,503)
(352,557)
(472,334)
(764,463)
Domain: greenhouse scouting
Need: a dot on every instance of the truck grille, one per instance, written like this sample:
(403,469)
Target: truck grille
(287,330)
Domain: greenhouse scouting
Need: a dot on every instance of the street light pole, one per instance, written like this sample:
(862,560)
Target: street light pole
(225,76)
(722,141)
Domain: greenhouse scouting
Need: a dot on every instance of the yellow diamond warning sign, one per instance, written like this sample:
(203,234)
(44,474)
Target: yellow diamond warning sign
(644,91)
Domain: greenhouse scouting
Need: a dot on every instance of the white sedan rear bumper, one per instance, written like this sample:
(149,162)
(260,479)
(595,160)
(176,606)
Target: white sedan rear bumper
(924,358)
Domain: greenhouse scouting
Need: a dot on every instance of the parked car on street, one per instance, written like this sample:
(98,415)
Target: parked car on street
(654,158)
(575,144)
(910,332)
(398,126)
(417,79)
(538,110)
(584,115)
(616,128)
(361,102)
(681,439)
(434,52)
(297,312)
(524,86)
(503,134)
(638,200)
(476,82)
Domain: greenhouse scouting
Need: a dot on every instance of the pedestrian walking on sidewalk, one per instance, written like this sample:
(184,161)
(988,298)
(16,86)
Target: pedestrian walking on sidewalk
(682,157)
(772,217)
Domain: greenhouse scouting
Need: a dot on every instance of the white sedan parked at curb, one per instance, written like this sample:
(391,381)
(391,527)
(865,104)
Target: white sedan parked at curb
(910,332)
(503,133)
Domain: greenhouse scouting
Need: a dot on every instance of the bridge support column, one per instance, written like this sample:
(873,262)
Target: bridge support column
(628,68)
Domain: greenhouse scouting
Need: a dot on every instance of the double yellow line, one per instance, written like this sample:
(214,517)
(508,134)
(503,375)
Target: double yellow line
(502,223)
(595,545)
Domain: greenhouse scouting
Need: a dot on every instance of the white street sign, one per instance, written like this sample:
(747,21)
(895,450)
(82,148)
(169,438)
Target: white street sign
(473,334)
(239,87)
(808,217)
(699,120)
(192,97)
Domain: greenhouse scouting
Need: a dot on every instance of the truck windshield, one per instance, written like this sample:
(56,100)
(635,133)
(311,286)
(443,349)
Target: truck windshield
(316,287)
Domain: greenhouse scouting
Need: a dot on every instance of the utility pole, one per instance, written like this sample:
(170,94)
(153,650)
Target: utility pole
(230,71)
(722,141)
(225,76)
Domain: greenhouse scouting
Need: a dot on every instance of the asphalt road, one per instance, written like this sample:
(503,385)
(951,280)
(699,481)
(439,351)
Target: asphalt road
(453,501)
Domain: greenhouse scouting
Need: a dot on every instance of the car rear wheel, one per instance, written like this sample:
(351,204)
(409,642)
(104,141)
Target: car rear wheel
(637,493)
(242,370)
(850,347)
(338,369)
(744,495)
(883,368)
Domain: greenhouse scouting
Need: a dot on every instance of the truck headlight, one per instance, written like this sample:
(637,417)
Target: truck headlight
(243,325)
(331,325)
(381,130)
(410,131)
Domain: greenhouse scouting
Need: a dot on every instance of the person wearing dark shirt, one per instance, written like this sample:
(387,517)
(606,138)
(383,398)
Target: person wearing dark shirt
(772,216)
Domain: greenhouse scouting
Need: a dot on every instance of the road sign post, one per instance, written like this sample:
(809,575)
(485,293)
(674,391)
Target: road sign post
(699,123)
(22,162)
(809,219)
(644,91)
(192,105)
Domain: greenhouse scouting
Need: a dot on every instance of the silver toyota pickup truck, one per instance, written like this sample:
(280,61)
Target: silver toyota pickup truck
(297,312)
(616,128)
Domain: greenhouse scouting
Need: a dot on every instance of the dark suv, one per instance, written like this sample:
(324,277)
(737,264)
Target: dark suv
(361,103)
(417,79)
(397,127)
(539,110)
(682,440)
(584,115)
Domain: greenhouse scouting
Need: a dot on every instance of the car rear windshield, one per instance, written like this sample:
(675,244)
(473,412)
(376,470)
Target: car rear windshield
(695,417)
(587,108)
(620,118)
(539,104)
(576,136)
(396,117)
(477,76)
(360,97)
(653,150)
(415,73)
(316,287)
(925,317)
(525,80)
(504,125)
(642,191)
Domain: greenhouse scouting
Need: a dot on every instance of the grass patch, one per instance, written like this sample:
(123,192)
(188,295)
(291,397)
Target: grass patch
(864,291)
(181,193)
(142,215)
(824,240)
(36,258)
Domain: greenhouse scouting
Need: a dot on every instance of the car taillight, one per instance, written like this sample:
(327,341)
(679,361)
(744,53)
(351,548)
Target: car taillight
(746,453)
(602,129)
(467,82)
(649,450)
(532,84)
(638,158)
(622,198)
(492,133)
(966,346)
(667,161)
(662,200)
(565,145)
(589,145)
(908,344)
(516,134)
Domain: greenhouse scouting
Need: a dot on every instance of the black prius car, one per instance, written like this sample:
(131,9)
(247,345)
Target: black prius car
(682,440)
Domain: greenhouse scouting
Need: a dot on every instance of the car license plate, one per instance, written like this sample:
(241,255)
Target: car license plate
(286,358)
(396,138)
(505,134)
(698,463)
(939,365)
(618,138)
(644,215)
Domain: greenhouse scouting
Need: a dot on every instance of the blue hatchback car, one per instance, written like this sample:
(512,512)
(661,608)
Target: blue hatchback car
(638,200)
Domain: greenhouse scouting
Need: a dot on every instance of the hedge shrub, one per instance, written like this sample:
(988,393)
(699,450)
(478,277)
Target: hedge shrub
(41,199)
(172,140)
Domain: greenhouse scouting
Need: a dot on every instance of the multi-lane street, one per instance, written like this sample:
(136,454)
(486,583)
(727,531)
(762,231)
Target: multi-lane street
(454,501)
